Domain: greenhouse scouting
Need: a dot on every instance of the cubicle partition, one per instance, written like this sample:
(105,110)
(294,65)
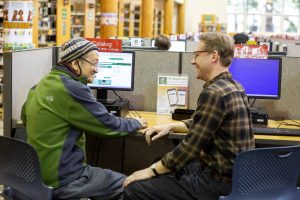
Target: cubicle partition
(22,70)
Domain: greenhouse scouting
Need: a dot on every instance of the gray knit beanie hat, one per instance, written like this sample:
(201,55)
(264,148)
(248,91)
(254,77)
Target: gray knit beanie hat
(75,48)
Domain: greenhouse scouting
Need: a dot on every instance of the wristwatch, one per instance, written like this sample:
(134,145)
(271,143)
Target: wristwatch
(153,166)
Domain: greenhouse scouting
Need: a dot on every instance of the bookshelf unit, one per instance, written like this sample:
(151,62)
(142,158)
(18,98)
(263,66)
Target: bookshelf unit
(126,19)
(132,16)
(97,19)
(158,25)
(53,25)
(77,16)
(83,18)
(137,20)
(47,23)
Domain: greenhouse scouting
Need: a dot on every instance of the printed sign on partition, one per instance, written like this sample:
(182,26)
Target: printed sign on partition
(17,25)
(172,92)
(251,51)
(107,45)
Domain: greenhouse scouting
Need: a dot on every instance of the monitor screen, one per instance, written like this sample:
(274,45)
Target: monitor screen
(261,78)
(176,45)
(115,71)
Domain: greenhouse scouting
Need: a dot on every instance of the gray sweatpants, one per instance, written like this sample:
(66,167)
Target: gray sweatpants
(95,183)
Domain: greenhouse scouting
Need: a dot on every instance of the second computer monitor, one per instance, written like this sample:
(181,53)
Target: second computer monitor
(261,78)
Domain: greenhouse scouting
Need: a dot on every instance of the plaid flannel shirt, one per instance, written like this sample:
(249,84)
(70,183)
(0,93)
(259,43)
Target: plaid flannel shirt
(219,129)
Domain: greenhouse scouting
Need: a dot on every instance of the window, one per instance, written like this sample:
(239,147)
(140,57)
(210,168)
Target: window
(270,16)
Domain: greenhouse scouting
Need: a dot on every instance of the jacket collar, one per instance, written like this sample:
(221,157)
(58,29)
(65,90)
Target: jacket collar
(63,69)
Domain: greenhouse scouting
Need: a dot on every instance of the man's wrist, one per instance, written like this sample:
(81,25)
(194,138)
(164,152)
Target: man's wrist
(153,168)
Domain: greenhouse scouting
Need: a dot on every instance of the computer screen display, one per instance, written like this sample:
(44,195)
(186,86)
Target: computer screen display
(115,71)
(176,45)
(261,78)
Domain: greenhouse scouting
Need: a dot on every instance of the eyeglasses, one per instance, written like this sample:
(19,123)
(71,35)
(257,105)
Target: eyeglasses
(196,53)
(93,64)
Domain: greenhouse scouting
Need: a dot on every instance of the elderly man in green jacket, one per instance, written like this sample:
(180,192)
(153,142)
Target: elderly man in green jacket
(58,112)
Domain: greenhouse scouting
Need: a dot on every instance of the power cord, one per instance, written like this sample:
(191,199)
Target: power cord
(130,107)
(252,103)
(297,124)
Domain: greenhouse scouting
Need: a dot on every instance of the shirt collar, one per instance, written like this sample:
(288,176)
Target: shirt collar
(223,75)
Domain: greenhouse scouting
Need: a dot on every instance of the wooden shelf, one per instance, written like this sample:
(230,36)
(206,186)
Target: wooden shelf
(77,14)
(82,24)
(77,26)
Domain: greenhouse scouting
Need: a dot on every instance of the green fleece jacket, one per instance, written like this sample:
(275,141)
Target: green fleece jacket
(58,112)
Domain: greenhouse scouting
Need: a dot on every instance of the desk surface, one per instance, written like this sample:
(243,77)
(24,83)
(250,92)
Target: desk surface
(155,119)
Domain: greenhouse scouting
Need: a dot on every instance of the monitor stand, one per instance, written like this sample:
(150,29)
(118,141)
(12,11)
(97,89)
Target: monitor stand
(102,97)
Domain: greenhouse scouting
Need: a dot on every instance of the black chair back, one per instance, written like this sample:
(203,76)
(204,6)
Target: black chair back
(20,171)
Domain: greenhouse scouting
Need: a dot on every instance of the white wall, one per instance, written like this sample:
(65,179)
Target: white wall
(195,8)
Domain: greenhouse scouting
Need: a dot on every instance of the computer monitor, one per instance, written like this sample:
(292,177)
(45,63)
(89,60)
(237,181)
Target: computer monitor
(261,78)
(115,72)
(176,45)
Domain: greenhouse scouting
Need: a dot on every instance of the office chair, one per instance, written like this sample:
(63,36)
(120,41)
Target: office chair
(266,174)
(20,172)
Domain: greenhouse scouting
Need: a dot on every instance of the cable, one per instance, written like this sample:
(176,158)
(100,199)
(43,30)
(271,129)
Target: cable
(295,121)
(129,106)
(287,124)
(118,96)
(253,103)
(290,124)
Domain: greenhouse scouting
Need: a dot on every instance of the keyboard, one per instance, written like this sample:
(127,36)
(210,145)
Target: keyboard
(275,131)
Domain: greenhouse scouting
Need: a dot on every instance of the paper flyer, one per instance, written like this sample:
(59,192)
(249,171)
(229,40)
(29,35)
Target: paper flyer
(17,24)
(172,92)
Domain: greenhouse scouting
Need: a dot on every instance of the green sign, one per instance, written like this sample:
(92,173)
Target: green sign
(64,13)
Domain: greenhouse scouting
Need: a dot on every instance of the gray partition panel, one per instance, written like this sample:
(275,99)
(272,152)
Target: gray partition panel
(22,70)
(191,45)
(195,85)
(288,106)
(147,66)
(285,108)
(293,50)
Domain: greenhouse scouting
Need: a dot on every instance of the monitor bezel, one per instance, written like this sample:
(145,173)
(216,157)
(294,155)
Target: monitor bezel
(132,75)
(279,81)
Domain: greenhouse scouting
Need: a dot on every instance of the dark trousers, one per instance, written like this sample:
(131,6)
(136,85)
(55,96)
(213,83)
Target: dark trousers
(189,183)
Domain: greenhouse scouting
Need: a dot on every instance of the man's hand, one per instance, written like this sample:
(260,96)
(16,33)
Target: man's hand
(160,131)
(139,175)
(143,122)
